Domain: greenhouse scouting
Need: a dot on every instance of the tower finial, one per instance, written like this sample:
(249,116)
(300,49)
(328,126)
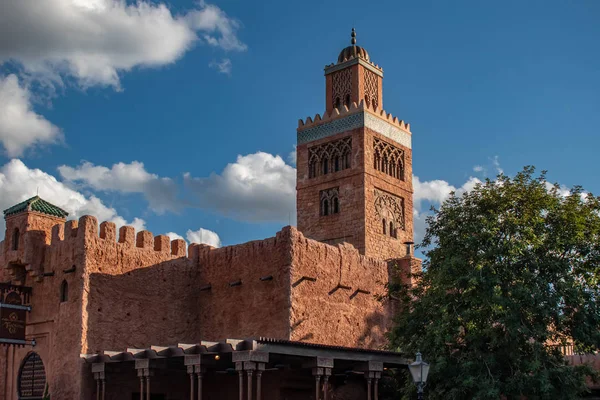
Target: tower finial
(353,41)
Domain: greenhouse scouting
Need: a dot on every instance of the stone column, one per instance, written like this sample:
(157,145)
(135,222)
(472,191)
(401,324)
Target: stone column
(147,384)
(190,371)
(249,361)
(373,371)
(241,384)
(250,372)
(98,371)
(317,372)
(260,367)
(259,385)
(326,375)
(143,369)
(193,363)
(141,375)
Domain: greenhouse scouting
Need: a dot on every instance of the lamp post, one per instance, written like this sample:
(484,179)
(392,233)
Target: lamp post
(419,371)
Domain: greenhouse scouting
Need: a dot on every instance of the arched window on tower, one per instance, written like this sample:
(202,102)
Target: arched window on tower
(325,166)
(325,207)
(15,239)
(64,291)
(384,226)
(392,230)
(336,205)
(347,101)
(337,164)
(337,103)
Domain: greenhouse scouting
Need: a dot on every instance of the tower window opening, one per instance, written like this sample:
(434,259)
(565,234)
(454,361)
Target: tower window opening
(384,227)
(64,291)
(347,101)
(392,230)
(329,157)
(337,102)
(388,159)
(15,239)
(329,201)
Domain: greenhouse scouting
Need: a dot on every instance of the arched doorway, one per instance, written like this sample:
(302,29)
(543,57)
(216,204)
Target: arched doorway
(32,378)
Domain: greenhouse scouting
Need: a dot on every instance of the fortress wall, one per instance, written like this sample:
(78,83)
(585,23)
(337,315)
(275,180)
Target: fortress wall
(55,325)
(333,295)
(140,289)
(239,304)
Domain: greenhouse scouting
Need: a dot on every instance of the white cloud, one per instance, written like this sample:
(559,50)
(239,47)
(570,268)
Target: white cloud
(20,126)
(433,193)
(257,187)
(92,41)
(161,193)
(18,183)
(293,157)
(223,66)
(200,236)
(204,236)
(496,164)
(478,168)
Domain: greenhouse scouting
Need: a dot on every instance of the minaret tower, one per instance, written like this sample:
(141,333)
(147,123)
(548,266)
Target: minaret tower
(354,164)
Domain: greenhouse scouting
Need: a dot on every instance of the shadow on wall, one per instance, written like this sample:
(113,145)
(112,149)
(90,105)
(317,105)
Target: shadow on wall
(144,307)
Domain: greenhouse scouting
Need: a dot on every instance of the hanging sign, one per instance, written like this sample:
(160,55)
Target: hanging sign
(13,313)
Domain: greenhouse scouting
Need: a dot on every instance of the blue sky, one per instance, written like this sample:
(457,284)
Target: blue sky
(174,113)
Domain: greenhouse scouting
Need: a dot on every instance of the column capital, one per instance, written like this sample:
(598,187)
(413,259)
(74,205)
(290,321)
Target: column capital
(250,355)
(193,359)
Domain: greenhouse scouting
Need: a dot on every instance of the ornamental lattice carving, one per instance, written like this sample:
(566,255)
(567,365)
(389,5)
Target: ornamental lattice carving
(329,157)
(330,201)
(388,159)
(371,83)
(341,85)
(390,210)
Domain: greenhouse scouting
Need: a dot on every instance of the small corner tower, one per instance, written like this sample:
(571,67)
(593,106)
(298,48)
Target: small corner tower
(32,215)
(354,163)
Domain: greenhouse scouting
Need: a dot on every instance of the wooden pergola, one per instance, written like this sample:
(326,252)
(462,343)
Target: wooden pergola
(249,359)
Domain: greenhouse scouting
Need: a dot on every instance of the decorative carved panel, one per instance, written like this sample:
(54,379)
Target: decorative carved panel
(341,85)
(390,209)
(388,159)
(329,157)
(371,83)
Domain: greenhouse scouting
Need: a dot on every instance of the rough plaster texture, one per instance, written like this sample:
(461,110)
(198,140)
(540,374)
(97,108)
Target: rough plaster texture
(137,290)
(357,222)
(333,295)
(129,289)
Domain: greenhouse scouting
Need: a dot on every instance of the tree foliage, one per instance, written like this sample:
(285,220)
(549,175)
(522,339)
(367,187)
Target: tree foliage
(511,271)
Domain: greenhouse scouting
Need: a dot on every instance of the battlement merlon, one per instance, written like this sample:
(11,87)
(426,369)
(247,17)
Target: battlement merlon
(357,116)
(353,61)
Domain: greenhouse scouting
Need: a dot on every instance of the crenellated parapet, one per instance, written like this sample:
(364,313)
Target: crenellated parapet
(360,115)
(344,111)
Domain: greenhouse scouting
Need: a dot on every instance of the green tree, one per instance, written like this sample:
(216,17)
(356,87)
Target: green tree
(511,270)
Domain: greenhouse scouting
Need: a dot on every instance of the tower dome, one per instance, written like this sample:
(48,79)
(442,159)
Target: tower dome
(353,51)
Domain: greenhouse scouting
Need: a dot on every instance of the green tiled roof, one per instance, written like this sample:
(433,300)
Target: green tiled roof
(36,204)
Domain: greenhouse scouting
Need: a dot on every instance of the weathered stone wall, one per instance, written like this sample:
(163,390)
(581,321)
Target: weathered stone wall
(334,291)
(138,281)
(379,245)
(55,325)
(348,225)
(249,293)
